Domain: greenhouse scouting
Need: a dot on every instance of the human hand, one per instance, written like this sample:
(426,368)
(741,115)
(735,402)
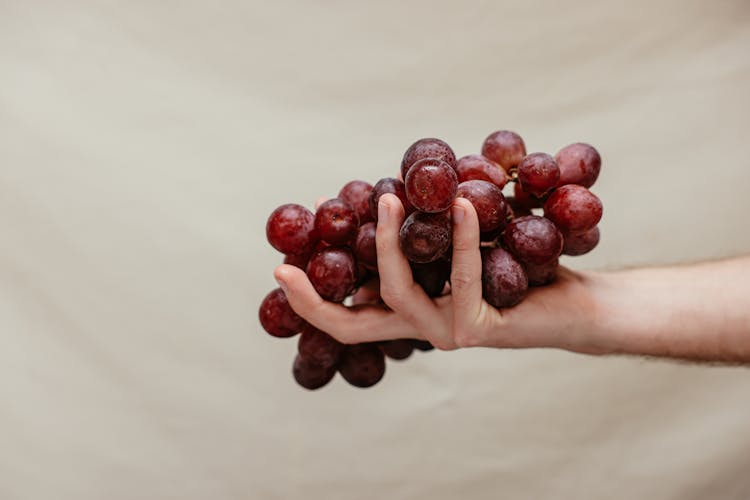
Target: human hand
(559,315)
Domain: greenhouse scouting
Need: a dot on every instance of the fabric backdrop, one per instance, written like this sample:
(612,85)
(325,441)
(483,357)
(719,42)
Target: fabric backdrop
(143,144)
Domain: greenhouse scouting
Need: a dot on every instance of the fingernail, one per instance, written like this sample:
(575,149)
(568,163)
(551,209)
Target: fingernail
(282,285)
(458,214)
(382,211)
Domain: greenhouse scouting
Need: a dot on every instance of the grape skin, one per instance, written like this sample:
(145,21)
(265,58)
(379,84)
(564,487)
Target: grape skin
(477,167)
(336,222)
(432,276)
(277,317)
(425,237)
(362,365)
(505,148)
(398,349)
(333,273)
(525,199)
(543,274)
(581,243)
(538,173)
(488,202)
(422,345)
(533,240)
(365,250)
(319,348)
(504,282)
(428,147)
(431,185)
(291,229)
(357,194)
(389,185)
(579,163)
(311,376)
(573,208)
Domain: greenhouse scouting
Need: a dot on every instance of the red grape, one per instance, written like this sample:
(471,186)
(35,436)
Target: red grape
(318,347)
(432,276)
(504,282)
(291,229)
(427,148)
(524,199)
(538,173)
(336,222)
(277,317)
(311,376)
(431,185)
(581,243)
(362,365)
(573,208)
(543,274)
(364,245)
(357,194)
(514,208)
(333,273)
(488,202)
(425,237)
(504,147)
(579,164)
(299,260)
(533,240)
(389,185)
(422,345)
(397,349)
(477,167)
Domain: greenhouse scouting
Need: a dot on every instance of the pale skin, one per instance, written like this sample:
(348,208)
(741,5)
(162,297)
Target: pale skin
(697,312)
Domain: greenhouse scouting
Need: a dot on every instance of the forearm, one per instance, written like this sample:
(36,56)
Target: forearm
(697,312)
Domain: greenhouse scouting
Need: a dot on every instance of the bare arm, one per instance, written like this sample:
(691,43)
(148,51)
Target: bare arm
(697,312)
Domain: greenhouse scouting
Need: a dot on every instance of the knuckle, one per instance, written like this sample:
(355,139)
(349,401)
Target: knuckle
(462,278)
(392,297)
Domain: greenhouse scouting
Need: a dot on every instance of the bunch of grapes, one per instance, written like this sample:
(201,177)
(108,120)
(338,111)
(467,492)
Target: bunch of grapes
(548,211)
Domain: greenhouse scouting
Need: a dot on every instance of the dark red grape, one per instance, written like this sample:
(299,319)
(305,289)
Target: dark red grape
(362,365)
(477,167)
(524,199)
(336,222)
(318,347)
(299,260)
(431,185)
(543,274)
(514,208)
(504,147)
(538,173)
(432,276)
(504,282)
(573,208)
(581,243)
(357,194)
(397,349)
(425,237)
(291,229)
(533,240)
(311,376)
(388,185)
(422,345)
(333,273)
(488,202)
(277,317)
(427,148)
(579,164)
(364,247)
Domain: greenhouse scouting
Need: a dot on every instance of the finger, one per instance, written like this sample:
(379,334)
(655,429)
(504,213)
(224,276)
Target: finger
(365,323)
(397,287)
(466,266)
(320,201)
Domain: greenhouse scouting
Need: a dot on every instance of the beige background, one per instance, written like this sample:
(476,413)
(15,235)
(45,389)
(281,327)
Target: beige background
(143,144)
